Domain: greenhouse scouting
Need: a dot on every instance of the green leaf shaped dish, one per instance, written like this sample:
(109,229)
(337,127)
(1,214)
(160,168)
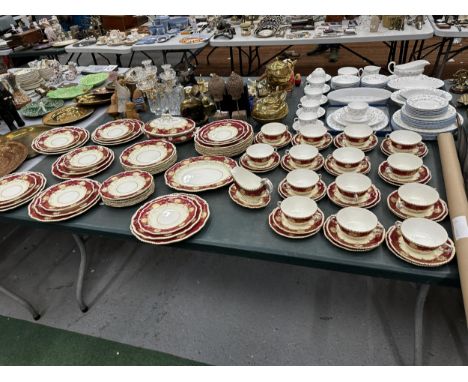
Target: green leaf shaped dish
(42,107)
(68,92)
(94,79)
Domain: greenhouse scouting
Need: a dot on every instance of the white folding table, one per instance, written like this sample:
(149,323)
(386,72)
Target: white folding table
(94,49)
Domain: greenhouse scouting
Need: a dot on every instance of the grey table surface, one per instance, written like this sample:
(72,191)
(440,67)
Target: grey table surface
(238,231)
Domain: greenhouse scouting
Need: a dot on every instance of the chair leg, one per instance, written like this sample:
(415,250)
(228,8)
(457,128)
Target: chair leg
(81,273)
(21,301)
(418,323)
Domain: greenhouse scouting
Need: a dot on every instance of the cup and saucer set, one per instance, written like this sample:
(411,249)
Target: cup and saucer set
(404,141)
(353,190)
(420,242)
(308,110)
(318,80)
(360,136)
(415,200)
(260,157)
(401,168)
(303,182)
(315,134)
(296,217)
(275,134)
(249,190)
(302,156)
(347,159)
(357,113)
(354,229)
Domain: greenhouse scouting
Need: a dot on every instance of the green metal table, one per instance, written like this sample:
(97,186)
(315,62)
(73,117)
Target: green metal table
(233,230)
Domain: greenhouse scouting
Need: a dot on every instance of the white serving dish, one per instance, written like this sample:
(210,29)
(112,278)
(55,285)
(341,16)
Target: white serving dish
(248,180)
(420,81)
(424,232)
(407,93)
(376,80)
(373,96)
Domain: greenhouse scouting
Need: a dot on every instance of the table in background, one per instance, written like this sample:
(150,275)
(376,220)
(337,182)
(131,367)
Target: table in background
(391,38)
(94,49)
(51,53)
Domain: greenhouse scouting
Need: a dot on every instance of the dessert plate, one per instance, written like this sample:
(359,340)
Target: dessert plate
(322,145)
(248,201)
(126,185)
(422,176)
(200,173)
(319,191)
(288,164)
(370,144)
(368,200)
(60,140)
(436,213)
(147,153)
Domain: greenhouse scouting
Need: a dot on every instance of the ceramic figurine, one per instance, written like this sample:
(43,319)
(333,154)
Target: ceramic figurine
(123,95)
(374,24)
(48,30)
(113,109)
(130,111)
(139,100)
(235,88)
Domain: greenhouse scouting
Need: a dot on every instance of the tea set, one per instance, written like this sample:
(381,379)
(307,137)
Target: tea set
(353,190)
(302,156)
(314,134)
(360,136)
(275,134)
(260,157)
(347,159)
(302,182)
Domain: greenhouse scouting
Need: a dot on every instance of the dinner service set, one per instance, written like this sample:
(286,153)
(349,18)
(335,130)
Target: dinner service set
(171,128)
(353,190)
(354,229)
(315,135)
(152,155)
(374,81)
(404,141)
(401,168)
(296,217)
(226,137)
(302,156)
(417,200)
(60,140)
(260,157)
(357,113)
(83,162)
(127,188)
(302,182)
(117,132)
(420,242)
(275,134)
(347,159)
(19,188)
(249,190)
(345,81)
(64,200)
(400,96)
(200,173)
(360,136)
(170,218)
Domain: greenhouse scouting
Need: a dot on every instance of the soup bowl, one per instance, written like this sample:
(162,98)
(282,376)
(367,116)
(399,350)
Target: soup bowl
(404,165)
(302,180)
(423,235)
(298,209)
(417,197)
(348,158)
(356,222)
(353,185)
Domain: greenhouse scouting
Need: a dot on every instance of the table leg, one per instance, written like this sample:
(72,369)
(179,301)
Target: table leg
(148,56)
(69,58)
(421,48)
(164,53)
(21,301)
(241,65)
(117,59)
(81,273)
(440,69)
(209,54)
(131,59)
(405,49)
(418,323)
(439,55)
(231,54)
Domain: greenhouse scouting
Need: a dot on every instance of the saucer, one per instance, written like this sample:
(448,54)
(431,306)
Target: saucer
(319,114)
(276,223)
(436,213)
(422,176)
(335,235)
(288,165)
(284,141)
(370,144)
(332,169)
(370,199)
(248,201)
(388,149)
(399,248)
(254,167)
(322,145)
(285,191)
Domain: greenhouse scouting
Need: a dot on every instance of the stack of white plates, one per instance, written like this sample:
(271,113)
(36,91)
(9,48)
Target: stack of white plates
(344,81)
(374,81)
(400,96)
(117,132)
(60,140)
(19,188)
(28,79)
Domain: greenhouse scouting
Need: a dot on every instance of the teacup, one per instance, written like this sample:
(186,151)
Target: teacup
(302,180)
(273,131)
(250,184)
(316,82)
(348,70)
(423,235)
(309,105)
(356,222)
(368,70)
(353,185)
(348,158)
(404,165)
(315,96)
(314,93)
(357,134)
(305,117)
(356,110)
(260,153)
(417,197)
(404,140)
(313,134)
(298,209)
(318,73)
(303,154)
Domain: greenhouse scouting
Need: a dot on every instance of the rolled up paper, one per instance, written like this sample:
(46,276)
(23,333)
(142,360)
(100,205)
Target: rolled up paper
(458,208)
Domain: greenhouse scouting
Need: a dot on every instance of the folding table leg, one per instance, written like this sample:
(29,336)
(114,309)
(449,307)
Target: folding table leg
(21,301)
(418,323)
(81,273)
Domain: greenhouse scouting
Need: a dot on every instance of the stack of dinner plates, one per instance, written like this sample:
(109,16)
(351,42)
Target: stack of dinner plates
(117,132)
(83,162)
(65,200)
(226,137)
(19,188)
(28,79)
(170,218)
(60,140)
(170,128)
(153,156)
(426,114)
(127,188)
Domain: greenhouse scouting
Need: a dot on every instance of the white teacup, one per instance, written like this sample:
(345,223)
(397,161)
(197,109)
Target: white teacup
(353,184)
(302,180)
(313,92)
(309,105)
(305,117)
(417,197)
(348,158)
(357,134)
(273,131)
(357,110)
(298,209)
(303,154)
(368,70)
(318,73)
(260,152)
(316,82)
(404,140)
(313,133)
(423,235)
(348,70)
(404,165)
(356,222)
